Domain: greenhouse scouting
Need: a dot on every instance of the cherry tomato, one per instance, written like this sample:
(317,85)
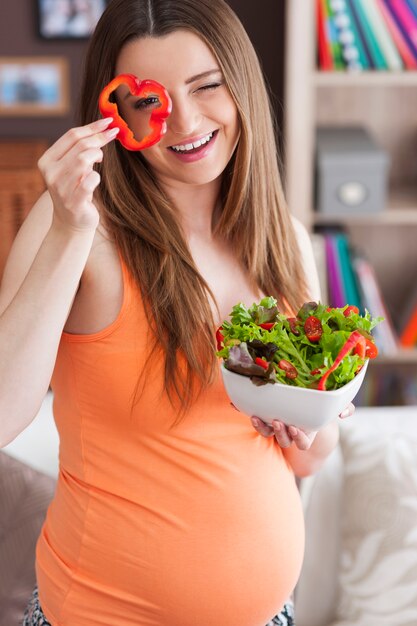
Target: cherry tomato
(267,325)
(350,309)
(261,363)
(316,371)
(219,338)
(289,369)
(313,328)
(293,325)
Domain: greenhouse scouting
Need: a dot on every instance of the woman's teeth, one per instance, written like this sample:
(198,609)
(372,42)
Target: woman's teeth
(192,146)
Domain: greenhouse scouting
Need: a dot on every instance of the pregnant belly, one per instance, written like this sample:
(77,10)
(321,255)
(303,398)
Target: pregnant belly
(220,560)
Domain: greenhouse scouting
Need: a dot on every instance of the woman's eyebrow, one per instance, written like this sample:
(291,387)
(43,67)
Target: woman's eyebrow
(202,75)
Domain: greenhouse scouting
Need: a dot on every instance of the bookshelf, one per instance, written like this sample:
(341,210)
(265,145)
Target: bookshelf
(385,103)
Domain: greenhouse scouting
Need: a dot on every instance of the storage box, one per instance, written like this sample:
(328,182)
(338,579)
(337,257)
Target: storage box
(351,172)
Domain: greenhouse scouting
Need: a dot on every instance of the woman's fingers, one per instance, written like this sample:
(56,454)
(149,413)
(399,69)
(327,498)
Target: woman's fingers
(281,434)
(72,137)
(301,439)
(262,428)
(285,435)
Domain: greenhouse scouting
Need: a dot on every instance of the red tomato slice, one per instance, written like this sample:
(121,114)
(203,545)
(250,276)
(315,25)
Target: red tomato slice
(219,338)
(313,328)
(293,325)
(289,369)
(267,325)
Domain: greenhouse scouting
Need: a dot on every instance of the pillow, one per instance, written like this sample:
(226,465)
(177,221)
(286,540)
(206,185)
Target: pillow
(24,496)
(377,579)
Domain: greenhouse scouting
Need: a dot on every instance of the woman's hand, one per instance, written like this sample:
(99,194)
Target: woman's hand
(287,435)
(67,168)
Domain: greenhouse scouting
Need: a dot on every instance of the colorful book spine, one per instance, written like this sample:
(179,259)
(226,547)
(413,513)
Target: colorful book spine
(337,295)
(405,20)
(375,50)
(319,250)
(324,51)
(348,276)
(408,336)
(373,301)
(354,52)
(382,34)
(399,39)
(332,33)
(364,56)
(412,5)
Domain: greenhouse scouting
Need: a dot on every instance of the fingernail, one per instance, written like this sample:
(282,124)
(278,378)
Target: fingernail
(104,122)
(277,425)
(344,413)
(255,421)
(112,132)
(292,430)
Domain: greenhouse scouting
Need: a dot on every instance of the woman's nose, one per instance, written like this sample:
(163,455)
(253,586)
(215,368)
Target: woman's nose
(185,117)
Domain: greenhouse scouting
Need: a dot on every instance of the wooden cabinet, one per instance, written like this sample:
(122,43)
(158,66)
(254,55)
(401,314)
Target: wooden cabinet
(20,186)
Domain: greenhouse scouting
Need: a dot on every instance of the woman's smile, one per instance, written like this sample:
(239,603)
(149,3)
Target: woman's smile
(194,149)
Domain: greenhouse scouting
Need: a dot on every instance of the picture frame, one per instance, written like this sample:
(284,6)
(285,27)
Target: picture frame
(68,19)
(34,86)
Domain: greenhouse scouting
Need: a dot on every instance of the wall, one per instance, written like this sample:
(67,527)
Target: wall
(18,37)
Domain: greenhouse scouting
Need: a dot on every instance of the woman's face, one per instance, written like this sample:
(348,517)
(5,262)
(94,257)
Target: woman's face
(203,111)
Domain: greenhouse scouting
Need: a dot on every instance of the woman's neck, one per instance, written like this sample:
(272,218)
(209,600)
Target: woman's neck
(196,205)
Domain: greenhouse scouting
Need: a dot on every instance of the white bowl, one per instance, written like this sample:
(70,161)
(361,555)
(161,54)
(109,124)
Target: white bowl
(310,409)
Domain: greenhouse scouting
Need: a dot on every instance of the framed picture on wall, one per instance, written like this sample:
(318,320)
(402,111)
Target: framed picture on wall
(33,86)
(68,19)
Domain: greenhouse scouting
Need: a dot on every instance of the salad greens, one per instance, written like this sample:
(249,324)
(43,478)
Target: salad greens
(321,348)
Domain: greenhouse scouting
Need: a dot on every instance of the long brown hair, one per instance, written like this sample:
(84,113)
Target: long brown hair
(138,214)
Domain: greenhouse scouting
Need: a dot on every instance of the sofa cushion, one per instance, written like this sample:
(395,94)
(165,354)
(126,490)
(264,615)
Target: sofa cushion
(377,577)
(24,495)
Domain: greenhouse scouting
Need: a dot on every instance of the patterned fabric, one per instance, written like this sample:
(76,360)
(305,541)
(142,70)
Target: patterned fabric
(34,615)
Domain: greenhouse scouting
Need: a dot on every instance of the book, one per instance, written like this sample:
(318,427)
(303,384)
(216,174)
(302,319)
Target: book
(382,34)
(405,22)
(324,51)
(333,37)
(373,301)
(407,326)
(399,40)
(350,287)
(337,296)
(319,250)
(372,42)
(354,53)
(356,21)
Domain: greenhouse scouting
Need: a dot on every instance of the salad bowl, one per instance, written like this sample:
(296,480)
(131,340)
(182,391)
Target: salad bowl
(309,409)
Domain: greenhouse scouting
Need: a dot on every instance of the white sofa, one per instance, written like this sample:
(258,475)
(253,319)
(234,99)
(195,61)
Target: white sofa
(360,565)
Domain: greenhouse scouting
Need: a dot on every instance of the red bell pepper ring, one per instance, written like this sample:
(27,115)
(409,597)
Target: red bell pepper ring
(145,89)
(355,339)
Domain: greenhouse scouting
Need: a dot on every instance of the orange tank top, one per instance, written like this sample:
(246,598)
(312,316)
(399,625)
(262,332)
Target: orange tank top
(156,524)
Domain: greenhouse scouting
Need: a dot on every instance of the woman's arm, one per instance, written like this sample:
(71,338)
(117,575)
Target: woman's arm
(43,273)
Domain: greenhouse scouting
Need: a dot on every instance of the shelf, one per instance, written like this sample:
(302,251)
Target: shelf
(364,79)
(402,211)
(391,217)
(404,356)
